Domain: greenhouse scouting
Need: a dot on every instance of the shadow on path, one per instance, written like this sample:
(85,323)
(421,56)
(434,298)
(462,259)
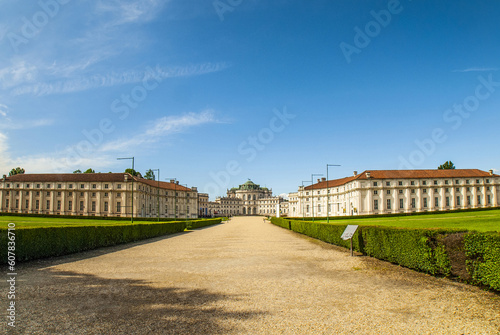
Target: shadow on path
(73,303)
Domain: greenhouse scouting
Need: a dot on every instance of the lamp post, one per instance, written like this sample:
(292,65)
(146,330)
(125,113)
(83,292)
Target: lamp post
(158,194)
(312,190)
(304,181)
(328,194)
(132,211)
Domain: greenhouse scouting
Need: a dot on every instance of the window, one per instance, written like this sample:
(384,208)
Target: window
(58,194)
(70,194)
(93,206)
(457,181)
(28,185)
(401,204)
(307,209)
(458,200)
(94,186)
(375,192)
(489,199)
(387,183)
(59,186)
(436,202)
(400,191)
(457,189)
(479,200)
(435,182)
(58,205)
(27,204)
(424,190)
(37,204)
(447,201)
(388,191)
(119,207)
(93,194)
(70,205)
(82,185)
(400,183)
(375,204)
(17,203)
(81,194)
(48,185)
(106,186)
(81,205)
(119,186)
(467,181)
(48,194)
(479,188)
(487,181)
(70,186)
(447,190)
(413,191)
(446,182)
(48,204)
(319,208)
(477,181)
(105,206)
(413,205)
(375,183)
(468,189)
(37,185)
(412,183)
(118,195)
(7,203)
(468,200)
(424,182)
(425,202)
(388,203)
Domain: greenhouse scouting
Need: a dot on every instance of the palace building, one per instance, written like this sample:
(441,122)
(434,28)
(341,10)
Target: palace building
(397,191)
(96,194)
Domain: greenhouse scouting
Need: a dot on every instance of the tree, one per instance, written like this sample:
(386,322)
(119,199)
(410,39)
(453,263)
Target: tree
(89,170)
(132,172)
(77,171)
(149,175)
(447,166)
(17,170)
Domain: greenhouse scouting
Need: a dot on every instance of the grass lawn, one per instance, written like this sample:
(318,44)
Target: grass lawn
(28,221)
(478,221)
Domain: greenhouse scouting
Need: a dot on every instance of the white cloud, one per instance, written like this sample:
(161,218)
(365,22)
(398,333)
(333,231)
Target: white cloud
(159,128)
(131,11)
(25,124)
(3,110)
(20,72)
(112,79)
(478,69)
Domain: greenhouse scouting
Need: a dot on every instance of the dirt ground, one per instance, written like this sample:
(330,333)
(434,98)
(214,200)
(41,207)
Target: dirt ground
(242,277)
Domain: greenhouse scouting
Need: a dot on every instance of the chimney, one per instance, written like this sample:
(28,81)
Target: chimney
(172,181)
(491,173)
(125,177)
(319,180)
(355,173)
(195,189)
(368,175)
(323,179)
(4,177)
(177,182)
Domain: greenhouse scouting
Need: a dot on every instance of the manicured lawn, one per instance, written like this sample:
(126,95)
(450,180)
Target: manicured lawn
(478,221)
(28,221)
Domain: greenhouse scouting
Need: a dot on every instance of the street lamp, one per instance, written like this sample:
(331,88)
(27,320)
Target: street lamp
(328,194)
(132,212)
(158,196)
(312,190)
(304,181)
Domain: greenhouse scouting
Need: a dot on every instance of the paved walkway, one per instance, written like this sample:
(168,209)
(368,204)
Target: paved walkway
(242,277)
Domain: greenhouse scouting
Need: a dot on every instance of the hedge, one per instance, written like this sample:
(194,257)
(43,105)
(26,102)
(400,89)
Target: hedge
(90,217)
(202,223)
(42,242)
(470,256)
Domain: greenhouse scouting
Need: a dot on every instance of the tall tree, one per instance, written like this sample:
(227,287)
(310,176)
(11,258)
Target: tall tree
(89,170)
(448,165)
(132,172)
(149,175)
(17,170)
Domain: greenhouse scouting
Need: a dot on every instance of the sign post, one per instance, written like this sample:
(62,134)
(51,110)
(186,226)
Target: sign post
(348,234)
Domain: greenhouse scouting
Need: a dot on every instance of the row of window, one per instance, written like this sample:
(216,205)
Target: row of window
(59,186)
(447,190)
(436,202)
(435,182)
(70,194)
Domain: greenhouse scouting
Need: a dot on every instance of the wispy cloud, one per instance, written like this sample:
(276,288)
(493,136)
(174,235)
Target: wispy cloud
(25,124)
(3,110)
(478,69)
(112,79)
(159,128)
(132,11)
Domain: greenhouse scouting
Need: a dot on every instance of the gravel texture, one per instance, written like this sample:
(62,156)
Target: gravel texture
(242,277)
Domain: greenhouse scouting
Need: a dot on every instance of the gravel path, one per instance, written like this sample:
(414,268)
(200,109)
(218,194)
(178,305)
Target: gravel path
(242,277)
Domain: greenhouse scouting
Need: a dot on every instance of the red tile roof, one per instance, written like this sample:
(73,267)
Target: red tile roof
(405,174)
(89,177)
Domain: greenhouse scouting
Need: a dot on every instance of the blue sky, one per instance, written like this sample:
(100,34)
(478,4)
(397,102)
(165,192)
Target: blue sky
(216,92)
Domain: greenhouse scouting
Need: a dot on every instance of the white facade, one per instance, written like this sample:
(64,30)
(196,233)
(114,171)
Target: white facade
(397,191)
(96,194)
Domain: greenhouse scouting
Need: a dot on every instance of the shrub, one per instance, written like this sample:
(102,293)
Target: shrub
(202,223)
(483,252)
(41,242)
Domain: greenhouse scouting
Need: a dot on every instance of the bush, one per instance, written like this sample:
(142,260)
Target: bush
(483,252)
(42,242)
(202,223)
(432,251)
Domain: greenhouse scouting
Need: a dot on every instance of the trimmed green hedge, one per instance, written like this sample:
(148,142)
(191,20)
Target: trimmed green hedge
(434,251)
(42,242)
(202,223)
(89,217)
